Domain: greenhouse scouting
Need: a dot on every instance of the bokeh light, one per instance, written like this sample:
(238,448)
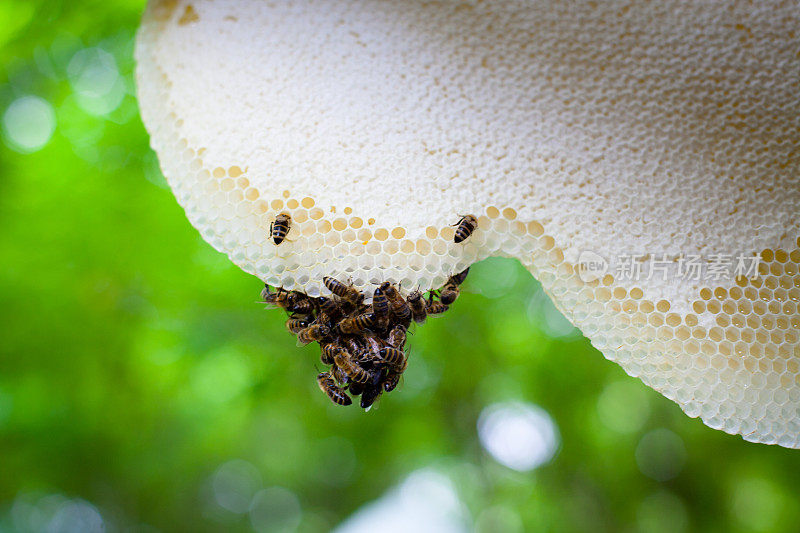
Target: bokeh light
(757,504)
(425,501)
(95,78)
(662,512)
(275,509)
(55,513)
(235,483)
(518,435)
(28,124)
(661,454)
(142,390)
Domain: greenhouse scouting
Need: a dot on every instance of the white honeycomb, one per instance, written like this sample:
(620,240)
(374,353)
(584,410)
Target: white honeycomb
(656,129)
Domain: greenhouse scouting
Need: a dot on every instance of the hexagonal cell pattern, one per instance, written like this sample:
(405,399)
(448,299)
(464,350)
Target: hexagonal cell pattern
(726,350)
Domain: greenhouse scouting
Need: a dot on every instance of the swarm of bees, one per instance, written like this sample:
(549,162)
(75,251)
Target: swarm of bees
(363,344)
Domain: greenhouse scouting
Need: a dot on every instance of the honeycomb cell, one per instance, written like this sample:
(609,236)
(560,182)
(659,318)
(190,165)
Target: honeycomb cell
(710,344)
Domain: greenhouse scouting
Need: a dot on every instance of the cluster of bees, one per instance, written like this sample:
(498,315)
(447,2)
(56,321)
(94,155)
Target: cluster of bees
(362,343)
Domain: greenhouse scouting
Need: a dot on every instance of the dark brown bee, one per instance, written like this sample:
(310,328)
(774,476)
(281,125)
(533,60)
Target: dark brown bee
(280,227)
(339,375)
(435,308)
(366,358)
(329,310)
(459,278)
(394,357)
(372,389)
(417,304)
(449,293)
(279,298)
(352,344)
(391,381)
(317,332)
(397,303)
(329,351)
(355,388)
(344,361)
(329,387)
(299,303)
(345,292)
(296,324)
(380,308)
(397,337)
(265,293)
(466,226)
(357,324)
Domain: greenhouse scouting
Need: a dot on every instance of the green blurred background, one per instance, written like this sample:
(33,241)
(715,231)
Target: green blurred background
(143,389)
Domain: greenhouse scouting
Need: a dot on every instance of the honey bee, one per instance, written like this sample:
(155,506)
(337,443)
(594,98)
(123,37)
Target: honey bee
(449,293)
(372,389)
(329,310)
(435,308)
(397,303)
(280,227)
(397,337)
(316,332)
(345,292)
(329,351)
(296,324)
(339,375)
(265,293)
(373,346)
(391,381)
(344,361)
(352,344)
(329,387)
(380,308)
(279,298)
(355,388)
(466,226)
(356,324)
(459,278)
(394,357)
(366,358)
(417,304)
(299,303)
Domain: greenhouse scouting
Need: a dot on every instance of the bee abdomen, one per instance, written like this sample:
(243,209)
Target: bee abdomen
(329,387)
(329,351)
(355,388)
(391,381)
(329,309)
(335,286)
(397,337)
(356,324)
(417,305)
(435,308)
(344,361)
(466,226)
(315,332)
(343,291)
(280,228)
(372,389)
(449,294)
(339,375)
(393,356)
(296,324)
(402,311)
(459,278)
(380,304)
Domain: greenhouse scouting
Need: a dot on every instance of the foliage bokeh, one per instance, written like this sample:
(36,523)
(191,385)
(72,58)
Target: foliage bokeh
(142,385)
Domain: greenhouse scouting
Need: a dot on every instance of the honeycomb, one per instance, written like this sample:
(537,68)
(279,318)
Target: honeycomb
(595,143)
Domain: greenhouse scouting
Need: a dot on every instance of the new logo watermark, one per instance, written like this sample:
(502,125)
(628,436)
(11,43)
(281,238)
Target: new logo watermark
(682,267)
